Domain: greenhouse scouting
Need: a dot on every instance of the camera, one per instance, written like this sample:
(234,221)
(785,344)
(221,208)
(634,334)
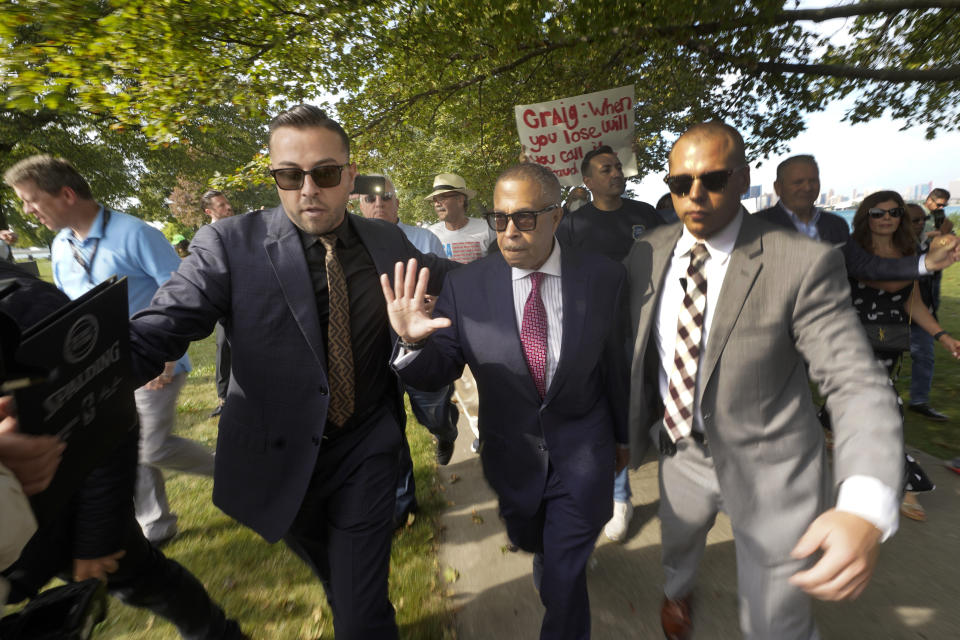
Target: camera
(369,185)
(939,215)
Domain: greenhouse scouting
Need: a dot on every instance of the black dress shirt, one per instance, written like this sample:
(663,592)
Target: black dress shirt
(375,382)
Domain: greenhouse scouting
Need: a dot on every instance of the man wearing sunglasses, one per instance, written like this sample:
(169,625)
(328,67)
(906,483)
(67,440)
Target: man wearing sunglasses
(311,433)
(433,409)
(935,203)
(550,415)
(729,310)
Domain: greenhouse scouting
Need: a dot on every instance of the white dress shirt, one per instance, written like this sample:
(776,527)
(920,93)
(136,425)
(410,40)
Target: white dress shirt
(861,495)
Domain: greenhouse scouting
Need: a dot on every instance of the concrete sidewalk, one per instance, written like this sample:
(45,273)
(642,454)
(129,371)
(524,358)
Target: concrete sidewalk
(915,592)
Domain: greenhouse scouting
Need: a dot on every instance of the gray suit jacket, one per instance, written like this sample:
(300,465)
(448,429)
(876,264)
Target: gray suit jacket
(784,314)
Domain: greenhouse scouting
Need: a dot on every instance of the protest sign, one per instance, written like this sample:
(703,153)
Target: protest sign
(559,133)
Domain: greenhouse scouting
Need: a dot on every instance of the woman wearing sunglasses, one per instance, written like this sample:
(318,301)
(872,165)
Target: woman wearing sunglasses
(886,309)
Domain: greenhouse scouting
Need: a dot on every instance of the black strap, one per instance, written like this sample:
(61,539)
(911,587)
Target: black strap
(86,264)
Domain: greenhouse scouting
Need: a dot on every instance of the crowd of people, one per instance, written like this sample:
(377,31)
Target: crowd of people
(600,332)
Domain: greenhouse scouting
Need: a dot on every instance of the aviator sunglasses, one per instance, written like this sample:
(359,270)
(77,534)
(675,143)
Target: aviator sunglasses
(878,213)
(324,176)
(522,220)
(715,181)
(370,199)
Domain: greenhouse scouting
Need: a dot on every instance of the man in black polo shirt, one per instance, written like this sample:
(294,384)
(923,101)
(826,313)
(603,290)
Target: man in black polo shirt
(609,223)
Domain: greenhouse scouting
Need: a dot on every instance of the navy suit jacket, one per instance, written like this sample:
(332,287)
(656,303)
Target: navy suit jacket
(251,271)
(576,426)
(861,264)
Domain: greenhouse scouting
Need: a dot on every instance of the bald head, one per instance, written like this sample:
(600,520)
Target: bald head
(715,130)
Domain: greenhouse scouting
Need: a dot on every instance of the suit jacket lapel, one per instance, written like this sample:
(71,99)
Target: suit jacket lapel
(575,296)
(745,263)
(285,252)
(662,252)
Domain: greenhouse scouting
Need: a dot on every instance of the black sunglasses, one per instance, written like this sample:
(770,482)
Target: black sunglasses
(370,199)
(324,176)
(877,213)
(522,220)
(715,181)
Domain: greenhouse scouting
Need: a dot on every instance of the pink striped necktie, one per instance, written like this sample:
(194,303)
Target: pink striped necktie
(533,334)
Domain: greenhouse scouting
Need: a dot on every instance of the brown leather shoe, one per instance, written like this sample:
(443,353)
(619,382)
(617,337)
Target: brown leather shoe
(676,617)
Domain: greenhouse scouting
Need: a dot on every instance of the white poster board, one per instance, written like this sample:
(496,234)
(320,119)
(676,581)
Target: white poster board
(557,134)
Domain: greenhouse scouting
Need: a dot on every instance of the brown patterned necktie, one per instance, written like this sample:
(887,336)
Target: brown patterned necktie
(339,347)
(678,412)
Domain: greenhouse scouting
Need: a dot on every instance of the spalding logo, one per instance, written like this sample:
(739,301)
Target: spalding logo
(81,339)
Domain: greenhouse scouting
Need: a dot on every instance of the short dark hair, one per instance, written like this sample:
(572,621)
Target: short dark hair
(939,193)
(593,153)
(544,177)
(305,116)
(792,160)
(206,200)
(903,238)
(50,174)
(713,128)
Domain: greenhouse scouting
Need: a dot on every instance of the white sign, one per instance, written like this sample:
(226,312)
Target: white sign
(557,134)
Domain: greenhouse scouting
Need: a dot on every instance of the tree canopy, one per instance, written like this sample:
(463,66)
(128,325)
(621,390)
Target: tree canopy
(425,86)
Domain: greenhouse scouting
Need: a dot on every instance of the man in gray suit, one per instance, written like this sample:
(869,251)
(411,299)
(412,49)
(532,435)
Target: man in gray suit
(731,313)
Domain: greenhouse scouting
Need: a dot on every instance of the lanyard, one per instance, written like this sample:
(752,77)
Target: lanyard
(86,264)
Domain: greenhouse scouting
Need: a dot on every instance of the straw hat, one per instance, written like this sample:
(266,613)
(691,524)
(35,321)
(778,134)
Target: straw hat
(447,182)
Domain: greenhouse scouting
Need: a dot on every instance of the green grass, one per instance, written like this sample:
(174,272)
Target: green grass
(941,439)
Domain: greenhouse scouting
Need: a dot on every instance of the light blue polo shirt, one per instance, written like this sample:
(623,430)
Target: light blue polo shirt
(424,240)
(129,247)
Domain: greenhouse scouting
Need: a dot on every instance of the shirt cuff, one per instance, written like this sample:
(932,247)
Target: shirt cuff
(867,497)
(404,357)
(922,267)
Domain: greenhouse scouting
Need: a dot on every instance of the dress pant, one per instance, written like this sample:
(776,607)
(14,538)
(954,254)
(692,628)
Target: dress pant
(223,361)
(561,539)
(435,411)
(344,527)
(145,578)
(770,607)
(160,449)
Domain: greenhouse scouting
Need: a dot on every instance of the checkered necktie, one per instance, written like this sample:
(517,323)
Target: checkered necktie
(339,349)
(678,414)
(533,335)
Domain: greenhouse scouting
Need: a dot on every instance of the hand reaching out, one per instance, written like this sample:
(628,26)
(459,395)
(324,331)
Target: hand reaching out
(944,251)
(850,546)
(407,304)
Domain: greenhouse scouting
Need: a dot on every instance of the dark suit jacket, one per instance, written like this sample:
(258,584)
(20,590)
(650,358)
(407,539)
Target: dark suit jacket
(251,271)
(583,415)
(860,263)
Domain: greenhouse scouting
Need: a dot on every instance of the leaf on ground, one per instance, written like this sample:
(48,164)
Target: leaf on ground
(454,478)
(451,575)
(476,517)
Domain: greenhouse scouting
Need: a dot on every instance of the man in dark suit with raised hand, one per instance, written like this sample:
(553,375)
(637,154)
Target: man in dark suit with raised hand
(540,328)
(311,429)
(733,317)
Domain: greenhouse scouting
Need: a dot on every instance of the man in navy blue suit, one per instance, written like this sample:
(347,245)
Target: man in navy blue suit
(311,430)
(541,328)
